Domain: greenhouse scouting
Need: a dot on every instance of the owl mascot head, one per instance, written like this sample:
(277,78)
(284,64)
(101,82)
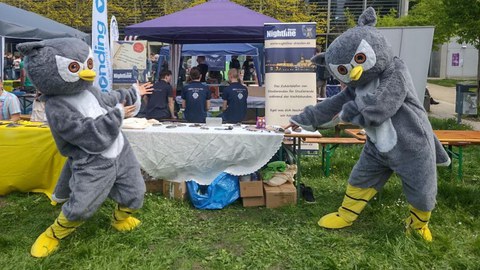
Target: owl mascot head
(59,66)
(359,55)
(379,97)
(86,126)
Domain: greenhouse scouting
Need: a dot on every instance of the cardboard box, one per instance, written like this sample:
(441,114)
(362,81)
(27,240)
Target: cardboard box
(280,196)
(154,186)
(251,189)
(253,201)
(174,190)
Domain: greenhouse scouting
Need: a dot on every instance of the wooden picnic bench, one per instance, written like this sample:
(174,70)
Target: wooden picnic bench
(329,144)
(448,138)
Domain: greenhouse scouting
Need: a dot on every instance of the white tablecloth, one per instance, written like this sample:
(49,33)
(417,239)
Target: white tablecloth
(186,153)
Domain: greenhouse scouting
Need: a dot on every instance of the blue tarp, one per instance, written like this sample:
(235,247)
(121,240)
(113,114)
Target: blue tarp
(226,49)
(215,49)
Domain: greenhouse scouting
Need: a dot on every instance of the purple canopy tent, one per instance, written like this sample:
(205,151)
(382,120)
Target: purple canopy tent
(216,21)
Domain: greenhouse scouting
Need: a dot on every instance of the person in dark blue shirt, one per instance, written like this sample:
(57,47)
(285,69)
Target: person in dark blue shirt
(196,98)
(234,63)
(234,99)
(248,69)
(203,67)
(160,103)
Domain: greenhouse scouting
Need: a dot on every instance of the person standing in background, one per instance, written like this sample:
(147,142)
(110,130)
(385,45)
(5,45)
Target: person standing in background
(9,105)
(248,69)
(234,99)
(322,76)
(234,63)
(203,67)
(38,109)
(160,104)
(16,66)
(8,66)
(27,85)
(196,98)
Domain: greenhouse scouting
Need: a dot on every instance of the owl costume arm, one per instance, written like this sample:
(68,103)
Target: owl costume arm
(89,134)
(314,117)
(381,104)
(129,96)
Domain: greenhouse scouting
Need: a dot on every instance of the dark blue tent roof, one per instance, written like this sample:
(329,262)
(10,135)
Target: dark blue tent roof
(216,21)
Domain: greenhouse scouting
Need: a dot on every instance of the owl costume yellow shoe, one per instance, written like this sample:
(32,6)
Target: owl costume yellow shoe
(86,125)
(123,220)
(418,222)
(380,97)
(353,204)
(49,240)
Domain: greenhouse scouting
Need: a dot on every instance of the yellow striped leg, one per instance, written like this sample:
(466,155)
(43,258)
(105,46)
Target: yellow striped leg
(418,222)
(48,241)
(353,203)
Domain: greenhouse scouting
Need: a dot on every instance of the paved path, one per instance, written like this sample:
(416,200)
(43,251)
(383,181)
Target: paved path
(446,108)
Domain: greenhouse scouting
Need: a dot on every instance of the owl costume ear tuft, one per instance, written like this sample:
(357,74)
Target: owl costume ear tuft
(368,18)
(28,48)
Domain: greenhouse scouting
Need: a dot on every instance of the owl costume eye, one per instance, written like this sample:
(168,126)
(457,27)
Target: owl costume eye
(360,58)
(342,70)
(74,67)
(90,63)
(69,68)
(364,55)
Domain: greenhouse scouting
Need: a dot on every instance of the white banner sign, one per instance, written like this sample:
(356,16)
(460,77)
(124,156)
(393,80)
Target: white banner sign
(290,81)
(101,46)
(129,54)
(114,34)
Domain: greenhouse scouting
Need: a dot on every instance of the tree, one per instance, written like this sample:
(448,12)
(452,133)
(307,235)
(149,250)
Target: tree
(77,13)
(289,11)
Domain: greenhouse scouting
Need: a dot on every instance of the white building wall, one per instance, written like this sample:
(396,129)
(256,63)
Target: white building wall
(460,60)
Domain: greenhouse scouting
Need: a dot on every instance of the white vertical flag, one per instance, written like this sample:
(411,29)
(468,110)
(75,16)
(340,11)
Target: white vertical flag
(114,35)
(101,46)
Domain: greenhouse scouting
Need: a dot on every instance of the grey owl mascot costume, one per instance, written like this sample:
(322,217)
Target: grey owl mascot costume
(86,126)
(381,98)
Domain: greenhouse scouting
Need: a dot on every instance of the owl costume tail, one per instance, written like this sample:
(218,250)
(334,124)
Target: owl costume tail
(49,240)
(353,203)
(123,220)
(418,222)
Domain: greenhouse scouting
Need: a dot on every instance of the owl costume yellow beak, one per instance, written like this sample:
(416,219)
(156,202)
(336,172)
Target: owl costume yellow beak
(356,73)
(87,75)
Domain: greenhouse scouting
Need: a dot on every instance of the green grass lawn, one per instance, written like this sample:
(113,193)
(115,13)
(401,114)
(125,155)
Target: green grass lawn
(174,235)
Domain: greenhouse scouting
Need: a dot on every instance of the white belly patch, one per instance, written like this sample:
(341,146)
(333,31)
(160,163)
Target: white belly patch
(384,136)
(87,104)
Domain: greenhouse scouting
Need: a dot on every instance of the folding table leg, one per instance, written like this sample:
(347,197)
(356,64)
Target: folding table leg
(299,168)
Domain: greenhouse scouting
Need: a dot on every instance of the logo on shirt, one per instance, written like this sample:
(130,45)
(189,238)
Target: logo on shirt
(195,95)
(240,95)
